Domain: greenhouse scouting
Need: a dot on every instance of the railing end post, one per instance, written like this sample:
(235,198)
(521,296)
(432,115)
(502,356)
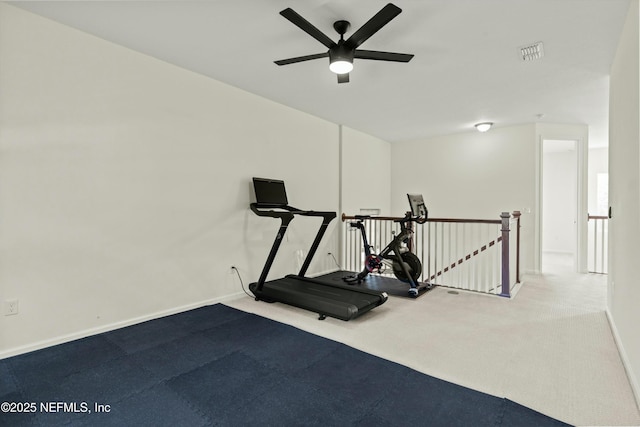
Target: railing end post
(505,216)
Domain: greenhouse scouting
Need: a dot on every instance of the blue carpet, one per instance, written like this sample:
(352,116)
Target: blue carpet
(217,366)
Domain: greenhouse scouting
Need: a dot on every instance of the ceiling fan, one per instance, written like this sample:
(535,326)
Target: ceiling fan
(342,53)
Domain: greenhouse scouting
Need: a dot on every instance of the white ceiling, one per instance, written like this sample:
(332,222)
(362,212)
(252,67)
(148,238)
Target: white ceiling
(466,67)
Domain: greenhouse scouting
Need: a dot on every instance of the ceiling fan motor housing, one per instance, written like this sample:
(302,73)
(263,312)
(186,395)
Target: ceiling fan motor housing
(341,53)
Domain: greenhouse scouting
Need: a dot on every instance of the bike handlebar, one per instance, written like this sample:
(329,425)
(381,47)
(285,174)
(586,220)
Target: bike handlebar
(409,218)
(420,219)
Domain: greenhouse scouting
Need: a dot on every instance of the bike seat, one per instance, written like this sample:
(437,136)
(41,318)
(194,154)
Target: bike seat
(360,217)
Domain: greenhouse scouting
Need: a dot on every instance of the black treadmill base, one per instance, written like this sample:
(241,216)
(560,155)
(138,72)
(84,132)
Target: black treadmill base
(376,282)
(333,300)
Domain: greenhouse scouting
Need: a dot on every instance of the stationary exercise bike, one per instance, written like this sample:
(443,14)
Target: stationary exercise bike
(406,266)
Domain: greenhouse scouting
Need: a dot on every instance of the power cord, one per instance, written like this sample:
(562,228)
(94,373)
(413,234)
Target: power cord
(241,282)
(335,260)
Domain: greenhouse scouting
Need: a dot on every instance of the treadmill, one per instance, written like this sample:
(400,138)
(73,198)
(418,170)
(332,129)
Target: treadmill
(341,301)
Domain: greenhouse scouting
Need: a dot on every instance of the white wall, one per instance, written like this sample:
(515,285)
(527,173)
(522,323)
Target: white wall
(471,175)
(624,194)
(598,163)
(366,172)
(125,183)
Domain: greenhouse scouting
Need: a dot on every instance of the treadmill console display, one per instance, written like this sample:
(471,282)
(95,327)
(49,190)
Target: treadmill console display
(270,192)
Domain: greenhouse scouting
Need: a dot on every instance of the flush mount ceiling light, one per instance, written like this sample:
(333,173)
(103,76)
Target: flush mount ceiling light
(483,127)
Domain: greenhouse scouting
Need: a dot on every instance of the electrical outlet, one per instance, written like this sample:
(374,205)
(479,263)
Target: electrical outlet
(11,307)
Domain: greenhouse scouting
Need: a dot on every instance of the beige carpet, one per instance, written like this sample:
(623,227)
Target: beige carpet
(549,348)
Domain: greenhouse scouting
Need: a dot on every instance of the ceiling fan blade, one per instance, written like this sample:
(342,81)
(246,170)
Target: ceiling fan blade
(378,21)
(343,78)
(301,58)
(382,56)
(307,27)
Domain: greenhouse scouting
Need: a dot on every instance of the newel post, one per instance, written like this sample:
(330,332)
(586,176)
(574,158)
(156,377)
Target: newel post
(506,292)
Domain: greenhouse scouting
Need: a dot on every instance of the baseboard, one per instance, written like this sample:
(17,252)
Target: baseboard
(110,327)
(515,289)
(633,380)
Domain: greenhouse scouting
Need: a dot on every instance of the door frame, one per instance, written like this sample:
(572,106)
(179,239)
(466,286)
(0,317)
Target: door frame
(582,189)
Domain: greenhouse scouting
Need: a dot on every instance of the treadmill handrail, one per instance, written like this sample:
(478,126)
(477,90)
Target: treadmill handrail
(288,210)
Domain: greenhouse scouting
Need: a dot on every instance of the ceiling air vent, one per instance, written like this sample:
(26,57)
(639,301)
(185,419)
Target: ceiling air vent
(532,52)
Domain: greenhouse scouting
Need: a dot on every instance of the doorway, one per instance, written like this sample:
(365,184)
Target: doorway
(559,231)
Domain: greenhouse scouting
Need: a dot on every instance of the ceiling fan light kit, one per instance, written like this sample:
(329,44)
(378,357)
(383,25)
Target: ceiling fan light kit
(340,60)
(342,53)
(341,66)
